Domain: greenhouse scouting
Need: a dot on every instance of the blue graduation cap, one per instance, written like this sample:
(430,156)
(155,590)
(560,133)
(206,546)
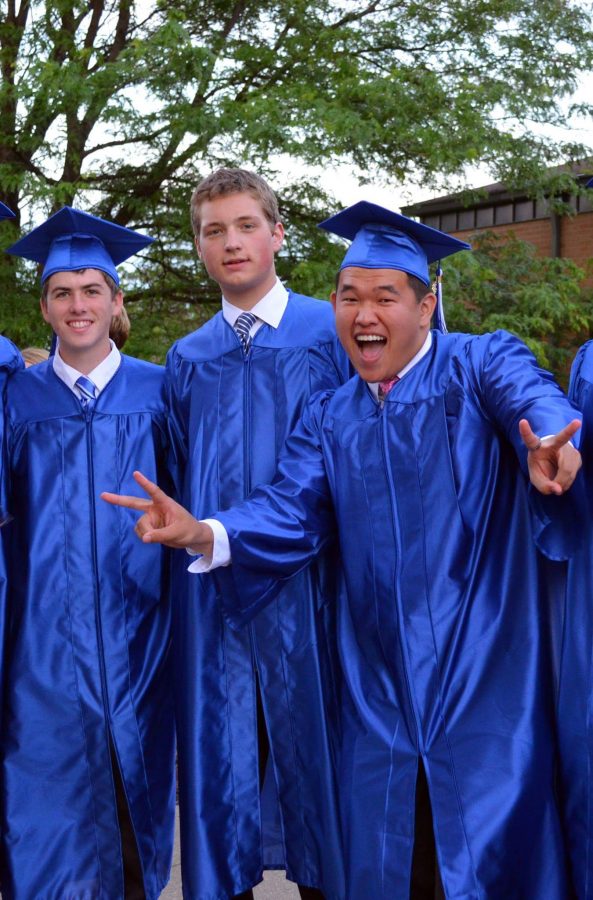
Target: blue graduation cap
(5,212)
(71,240)
(589,183)
(383,239)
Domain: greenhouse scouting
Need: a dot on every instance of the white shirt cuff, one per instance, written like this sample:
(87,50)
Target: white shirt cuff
(221,555)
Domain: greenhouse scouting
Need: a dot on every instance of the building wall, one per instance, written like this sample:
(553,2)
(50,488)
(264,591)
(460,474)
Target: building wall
(576,238)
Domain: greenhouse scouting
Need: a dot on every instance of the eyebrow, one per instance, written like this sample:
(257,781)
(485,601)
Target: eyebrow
(237,219)
(380,287)
(69,287)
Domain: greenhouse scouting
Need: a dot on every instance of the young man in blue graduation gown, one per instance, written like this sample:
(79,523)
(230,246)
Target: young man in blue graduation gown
(238,385)
(87,731)
(575,701)
(440,628)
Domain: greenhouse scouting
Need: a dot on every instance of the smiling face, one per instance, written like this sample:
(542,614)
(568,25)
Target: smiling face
(237,244)
(380,321)
(79,307)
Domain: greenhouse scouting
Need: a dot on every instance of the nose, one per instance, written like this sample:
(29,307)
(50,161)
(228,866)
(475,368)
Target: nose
(77,301)
(365,315)
(232,238)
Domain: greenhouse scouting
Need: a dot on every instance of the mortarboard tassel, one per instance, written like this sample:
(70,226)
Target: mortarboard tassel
(439,313)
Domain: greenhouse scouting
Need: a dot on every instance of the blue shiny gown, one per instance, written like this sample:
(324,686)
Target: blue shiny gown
(10,361)
(87,657)
(232,415)
(440,628)
(575,706)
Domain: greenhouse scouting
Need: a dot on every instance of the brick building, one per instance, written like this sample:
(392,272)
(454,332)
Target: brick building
(501,210)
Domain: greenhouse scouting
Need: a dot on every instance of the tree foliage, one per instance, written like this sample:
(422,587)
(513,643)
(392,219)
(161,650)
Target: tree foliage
(120,107)
(503,284)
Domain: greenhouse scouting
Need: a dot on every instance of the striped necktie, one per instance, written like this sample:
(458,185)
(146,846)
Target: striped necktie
(385,387)
(243,326)
(87,390)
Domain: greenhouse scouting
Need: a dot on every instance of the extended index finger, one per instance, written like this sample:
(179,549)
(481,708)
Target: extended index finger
(153,490)
(139,503)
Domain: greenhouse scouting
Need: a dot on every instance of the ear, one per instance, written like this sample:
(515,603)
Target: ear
(333,297)
(118,302)
(197,245)
(427,307)
(43,305)
(277,236)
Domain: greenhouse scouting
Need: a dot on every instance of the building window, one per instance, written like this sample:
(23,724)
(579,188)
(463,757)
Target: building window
(467,219)
(433,221)
(524,210)
(504,214)
(485,217)
(449,222)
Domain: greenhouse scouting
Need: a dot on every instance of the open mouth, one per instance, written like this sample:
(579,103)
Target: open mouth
(79,324)
(370,345)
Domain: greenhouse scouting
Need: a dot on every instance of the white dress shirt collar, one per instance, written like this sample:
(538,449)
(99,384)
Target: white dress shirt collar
(269,309)
(100,376)
(374,386)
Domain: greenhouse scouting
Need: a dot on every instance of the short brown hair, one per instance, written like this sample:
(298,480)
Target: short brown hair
(234,181)
(420,289)
(113,287)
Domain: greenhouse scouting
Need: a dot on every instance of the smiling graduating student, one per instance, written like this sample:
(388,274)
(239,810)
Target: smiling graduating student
(423,461)
(238,386)
(88,736)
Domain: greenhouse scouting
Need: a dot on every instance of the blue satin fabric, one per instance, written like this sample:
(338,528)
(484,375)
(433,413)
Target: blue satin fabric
(575,704)
(10,361)
(440,628)
(89,637)
(232,415)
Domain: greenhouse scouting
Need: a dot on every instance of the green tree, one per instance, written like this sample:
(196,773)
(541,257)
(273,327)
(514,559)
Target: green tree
(120,107)
(503,284)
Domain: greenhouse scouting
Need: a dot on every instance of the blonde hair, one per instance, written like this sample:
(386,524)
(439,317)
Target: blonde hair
(223,182)
(119,329)
(34,355)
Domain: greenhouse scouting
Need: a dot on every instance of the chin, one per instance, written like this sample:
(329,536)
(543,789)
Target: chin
(369,377)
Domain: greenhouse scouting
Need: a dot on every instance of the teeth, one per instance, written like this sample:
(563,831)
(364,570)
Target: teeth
(369,337)
(81,323)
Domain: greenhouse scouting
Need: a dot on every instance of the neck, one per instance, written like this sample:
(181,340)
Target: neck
(85,362)
(412,356)
(246,300)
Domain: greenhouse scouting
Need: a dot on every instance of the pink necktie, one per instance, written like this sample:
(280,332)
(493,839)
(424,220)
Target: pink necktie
(385,387)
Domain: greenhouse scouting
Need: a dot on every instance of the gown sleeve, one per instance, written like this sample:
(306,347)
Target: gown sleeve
(11,361)
(281,527)
(511,387)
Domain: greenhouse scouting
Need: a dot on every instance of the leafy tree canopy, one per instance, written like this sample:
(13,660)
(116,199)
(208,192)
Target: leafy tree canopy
(120,107)
(503,284)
